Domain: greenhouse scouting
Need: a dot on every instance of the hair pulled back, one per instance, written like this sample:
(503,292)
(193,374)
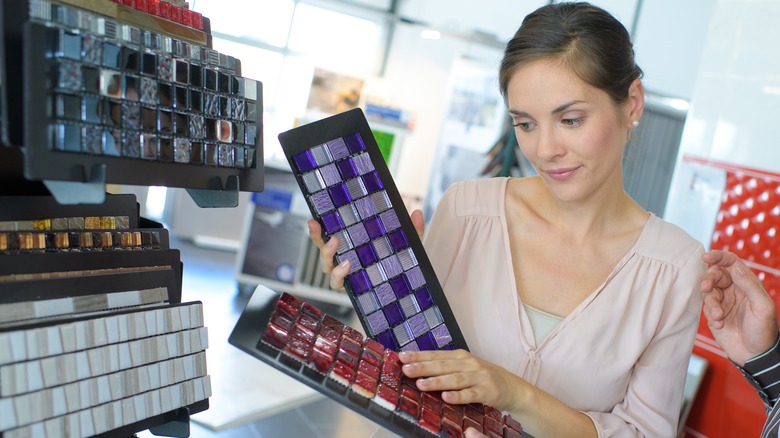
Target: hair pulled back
(585,38)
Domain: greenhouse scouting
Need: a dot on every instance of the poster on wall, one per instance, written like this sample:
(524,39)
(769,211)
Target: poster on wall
(333,93)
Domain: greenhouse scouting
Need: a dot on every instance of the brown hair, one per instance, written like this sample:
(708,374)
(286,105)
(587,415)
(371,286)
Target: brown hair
(588,39)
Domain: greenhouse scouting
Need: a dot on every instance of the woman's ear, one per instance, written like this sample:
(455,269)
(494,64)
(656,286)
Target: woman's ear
(635,105)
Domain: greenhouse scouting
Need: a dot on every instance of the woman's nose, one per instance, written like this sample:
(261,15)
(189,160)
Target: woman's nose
(549,145)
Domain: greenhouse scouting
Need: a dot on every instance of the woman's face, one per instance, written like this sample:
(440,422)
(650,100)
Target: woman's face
(571,132)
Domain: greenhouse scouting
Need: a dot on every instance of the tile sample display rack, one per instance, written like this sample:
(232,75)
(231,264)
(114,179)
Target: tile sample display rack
(351,193)
(96,334)
(94,337)
(314,348)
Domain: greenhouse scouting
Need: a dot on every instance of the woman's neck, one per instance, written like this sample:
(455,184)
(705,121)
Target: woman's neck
(604,213)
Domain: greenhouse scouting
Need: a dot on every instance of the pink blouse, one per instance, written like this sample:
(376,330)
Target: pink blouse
(620,356)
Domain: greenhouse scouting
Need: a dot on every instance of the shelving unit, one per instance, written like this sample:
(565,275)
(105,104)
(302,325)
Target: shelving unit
(95,339)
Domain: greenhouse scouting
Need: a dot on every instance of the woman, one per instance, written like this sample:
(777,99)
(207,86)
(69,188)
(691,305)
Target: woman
(579,307)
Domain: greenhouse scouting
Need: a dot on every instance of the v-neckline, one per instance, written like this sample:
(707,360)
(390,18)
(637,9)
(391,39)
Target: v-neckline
(525,324)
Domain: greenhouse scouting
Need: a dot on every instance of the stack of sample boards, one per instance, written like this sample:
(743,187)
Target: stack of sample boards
(94,336)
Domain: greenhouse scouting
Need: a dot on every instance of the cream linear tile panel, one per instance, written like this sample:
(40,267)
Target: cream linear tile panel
(54,402)
(23,345)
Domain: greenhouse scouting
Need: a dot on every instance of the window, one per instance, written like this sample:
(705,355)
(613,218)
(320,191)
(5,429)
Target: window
(335,39)
(281,42)
(265,21)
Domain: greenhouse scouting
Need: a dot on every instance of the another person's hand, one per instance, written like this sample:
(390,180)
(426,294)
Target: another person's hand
(741,315)
(474,433)
(328,250)
(463,378)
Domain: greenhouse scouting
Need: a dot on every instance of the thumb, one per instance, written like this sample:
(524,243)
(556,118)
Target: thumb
(747,281)
(418,221)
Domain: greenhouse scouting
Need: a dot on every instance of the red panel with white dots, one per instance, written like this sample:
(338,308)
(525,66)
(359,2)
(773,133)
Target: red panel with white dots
(749,219)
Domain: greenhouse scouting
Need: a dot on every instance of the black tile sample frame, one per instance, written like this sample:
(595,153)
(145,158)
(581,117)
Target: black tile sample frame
(246,336)
(349,124)
(249,336)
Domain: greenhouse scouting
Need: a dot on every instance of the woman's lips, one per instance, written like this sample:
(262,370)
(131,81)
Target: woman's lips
(561,174)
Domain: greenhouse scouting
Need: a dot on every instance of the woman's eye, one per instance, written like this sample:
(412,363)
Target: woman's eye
(525,126)
(577,121)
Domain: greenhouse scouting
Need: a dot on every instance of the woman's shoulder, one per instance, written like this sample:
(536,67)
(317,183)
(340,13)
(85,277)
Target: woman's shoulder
(472,186)
(483,196)
(668,242)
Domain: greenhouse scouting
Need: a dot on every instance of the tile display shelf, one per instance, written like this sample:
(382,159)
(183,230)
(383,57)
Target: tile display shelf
(144,101)
(298,339)
(94,338)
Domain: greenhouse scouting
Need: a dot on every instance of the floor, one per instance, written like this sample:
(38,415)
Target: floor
(208,276)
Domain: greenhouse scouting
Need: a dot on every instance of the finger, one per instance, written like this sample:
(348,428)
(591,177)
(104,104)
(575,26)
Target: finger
(315,233)
(460,384)
(337,275)
(418,221)
(440,365)
(411,357)
(328,254)
(720,258)
(718,277)
(738,271)
(747,281)
(474,433)
(735,271)
(713,308)
(423,356)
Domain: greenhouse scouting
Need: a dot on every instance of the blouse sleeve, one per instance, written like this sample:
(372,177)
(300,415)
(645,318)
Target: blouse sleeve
(443,234)
(651,406)
(763,373)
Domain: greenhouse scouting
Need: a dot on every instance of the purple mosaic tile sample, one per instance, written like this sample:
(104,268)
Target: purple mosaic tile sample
(367,255)
(374,227)
(373,182)
(398,240)
(385,294)
(347,168)
(359,281)
(441,335)
(355,143)
(363,163)
(305,161)
(348,195)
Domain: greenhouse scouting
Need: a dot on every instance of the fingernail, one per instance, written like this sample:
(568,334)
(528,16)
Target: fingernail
(739,270)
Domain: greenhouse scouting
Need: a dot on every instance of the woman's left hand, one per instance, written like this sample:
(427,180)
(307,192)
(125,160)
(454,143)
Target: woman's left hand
(463,378)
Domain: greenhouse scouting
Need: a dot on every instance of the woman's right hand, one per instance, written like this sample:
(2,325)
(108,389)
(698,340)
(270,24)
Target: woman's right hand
(328,250)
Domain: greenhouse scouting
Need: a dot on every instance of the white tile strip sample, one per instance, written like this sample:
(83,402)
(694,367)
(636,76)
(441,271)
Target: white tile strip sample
(14,312)
(29,344)
(119,413)
(67,368)
(54,402)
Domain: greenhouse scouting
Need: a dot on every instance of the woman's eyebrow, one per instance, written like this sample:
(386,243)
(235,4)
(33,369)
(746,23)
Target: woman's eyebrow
(557,109)
(566,105)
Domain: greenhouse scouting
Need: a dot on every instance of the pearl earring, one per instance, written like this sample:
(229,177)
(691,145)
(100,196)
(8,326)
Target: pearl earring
(635,123)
